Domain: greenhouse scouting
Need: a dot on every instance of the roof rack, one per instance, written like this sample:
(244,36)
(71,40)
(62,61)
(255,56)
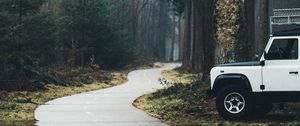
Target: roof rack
(285,17)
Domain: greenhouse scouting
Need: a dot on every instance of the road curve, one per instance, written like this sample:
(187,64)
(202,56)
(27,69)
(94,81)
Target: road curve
(106,107)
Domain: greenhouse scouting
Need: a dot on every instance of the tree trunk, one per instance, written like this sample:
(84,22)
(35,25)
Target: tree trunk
(187,32)
(173,37)
(181,37)
(263,25)
(244,45)
(209,37)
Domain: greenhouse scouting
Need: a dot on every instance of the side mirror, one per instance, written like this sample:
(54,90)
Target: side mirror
(262,63)
(265,56)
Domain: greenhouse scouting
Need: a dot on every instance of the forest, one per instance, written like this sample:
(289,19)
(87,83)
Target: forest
(112,34)
(101,34)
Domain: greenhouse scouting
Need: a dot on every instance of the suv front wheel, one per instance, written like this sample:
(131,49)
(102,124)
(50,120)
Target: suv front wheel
(234,102)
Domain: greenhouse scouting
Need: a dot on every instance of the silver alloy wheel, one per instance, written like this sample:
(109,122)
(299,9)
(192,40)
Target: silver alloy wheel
(234,103)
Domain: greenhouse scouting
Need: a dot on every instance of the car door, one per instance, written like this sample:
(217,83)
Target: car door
(282,66)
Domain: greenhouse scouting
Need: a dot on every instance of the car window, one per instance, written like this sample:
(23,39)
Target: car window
(283,49)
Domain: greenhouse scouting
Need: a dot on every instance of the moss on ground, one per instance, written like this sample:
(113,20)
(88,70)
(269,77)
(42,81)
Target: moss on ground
(186,103)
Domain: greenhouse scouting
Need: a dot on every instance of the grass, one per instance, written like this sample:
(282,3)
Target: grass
(157,65)
(186,104)
(180,76)
(17,107)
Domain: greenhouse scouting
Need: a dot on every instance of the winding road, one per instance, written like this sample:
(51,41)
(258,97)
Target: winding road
(106,107)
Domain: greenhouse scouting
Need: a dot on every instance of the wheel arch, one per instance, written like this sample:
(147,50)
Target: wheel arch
(231,79)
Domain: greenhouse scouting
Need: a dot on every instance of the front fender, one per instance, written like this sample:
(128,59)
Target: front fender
(221,80)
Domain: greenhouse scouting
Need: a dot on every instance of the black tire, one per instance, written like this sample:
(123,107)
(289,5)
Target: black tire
(232,109)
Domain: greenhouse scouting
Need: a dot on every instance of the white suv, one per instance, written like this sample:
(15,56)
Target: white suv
(248,88)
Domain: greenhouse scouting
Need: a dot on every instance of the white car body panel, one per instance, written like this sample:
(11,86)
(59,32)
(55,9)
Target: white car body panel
(276,73)
(253,73)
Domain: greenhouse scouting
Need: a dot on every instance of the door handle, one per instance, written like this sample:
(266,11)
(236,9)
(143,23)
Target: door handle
(294,72)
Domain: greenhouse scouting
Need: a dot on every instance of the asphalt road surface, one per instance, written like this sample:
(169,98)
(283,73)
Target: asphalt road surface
(106,107)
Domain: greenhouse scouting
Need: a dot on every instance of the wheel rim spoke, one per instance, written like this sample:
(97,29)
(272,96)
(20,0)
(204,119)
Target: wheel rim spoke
(240,103)
(234,103)
(228,102)
(237,108)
